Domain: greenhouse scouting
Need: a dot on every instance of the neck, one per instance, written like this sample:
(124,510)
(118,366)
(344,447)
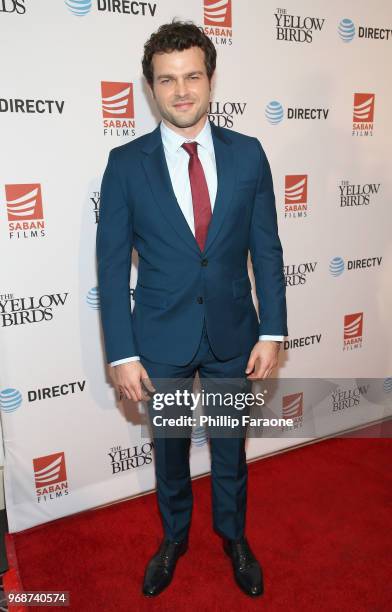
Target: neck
(188,132)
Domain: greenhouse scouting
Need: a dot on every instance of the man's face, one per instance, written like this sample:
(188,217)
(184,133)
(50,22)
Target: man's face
(181,87)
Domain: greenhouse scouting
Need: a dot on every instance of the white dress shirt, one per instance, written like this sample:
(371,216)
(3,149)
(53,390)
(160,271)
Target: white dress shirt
(177,162)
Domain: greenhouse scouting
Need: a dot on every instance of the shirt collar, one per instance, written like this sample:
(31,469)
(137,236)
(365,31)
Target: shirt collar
(173,141)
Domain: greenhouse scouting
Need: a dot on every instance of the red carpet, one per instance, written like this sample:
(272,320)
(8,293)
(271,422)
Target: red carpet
(319,520)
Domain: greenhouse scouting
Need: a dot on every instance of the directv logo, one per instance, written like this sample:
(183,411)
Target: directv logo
(336,266)
(80,8)
(346,30)
(92,298)
(274,112)
(10,399)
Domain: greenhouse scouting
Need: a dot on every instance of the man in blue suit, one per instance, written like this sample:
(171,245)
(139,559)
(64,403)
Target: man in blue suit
(193,199)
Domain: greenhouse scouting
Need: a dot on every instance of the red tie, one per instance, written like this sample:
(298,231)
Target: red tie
(200,196)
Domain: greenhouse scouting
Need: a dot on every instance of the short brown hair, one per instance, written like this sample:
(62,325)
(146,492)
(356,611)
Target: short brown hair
(177,36)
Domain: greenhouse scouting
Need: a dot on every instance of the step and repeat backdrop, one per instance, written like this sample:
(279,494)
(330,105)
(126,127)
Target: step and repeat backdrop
(312,81)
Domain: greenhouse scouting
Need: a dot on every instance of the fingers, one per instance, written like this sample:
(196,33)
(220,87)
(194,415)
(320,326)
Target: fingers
(251,363)
(147,381)
(262,370)
(136,391)
(128,382)
(126,391)
(133,391)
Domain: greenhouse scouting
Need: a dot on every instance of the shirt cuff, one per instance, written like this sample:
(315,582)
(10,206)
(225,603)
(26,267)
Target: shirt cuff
(269,337)
(125,360)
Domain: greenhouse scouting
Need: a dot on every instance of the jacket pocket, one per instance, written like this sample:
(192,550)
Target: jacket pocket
(150,297)
(241,286)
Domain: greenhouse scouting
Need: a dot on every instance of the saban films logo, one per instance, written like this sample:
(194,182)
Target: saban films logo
(296,196)
(123,459)
(50,477)
(24,211)
(363,114)
(21,310)
(292,408)
(118,109)
(218,21)
(224,114)
(295,28)
(353,327)
(357,195)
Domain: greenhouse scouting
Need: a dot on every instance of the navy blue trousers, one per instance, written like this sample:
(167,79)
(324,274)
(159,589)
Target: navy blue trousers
(229,471)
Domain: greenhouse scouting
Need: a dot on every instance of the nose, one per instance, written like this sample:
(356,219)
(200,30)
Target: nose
(181,88)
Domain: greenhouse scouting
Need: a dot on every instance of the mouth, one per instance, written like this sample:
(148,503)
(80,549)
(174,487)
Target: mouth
(181,106)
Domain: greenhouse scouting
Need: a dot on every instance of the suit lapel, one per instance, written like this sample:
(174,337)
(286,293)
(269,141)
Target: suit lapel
(157,172)
(227,176)
(155,166)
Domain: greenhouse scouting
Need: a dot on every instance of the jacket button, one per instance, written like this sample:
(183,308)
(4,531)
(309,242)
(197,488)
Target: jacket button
(199,300)
(204,262)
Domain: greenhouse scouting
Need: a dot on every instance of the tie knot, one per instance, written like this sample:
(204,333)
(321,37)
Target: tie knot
(190,148)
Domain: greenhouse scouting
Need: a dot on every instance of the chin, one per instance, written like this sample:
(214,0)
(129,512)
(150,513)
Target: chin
(188,121)
(184,121)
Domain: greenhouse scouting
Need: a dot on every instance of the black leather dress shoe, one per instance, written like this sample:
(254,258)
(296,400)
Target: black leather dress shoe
(247,570)
(160,569)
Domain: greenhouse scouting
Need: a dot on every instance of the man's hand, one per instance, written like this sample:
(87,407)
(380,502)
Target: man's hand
(263,359)
(128,377)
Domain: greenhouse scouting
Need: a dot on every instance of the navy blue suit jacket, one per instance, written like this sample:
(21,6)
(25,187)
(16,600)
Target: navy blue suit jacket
(178,285)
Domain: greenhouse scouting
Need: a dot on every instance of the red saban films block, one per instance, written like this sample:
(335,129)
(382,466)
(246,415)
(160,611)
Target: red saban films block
(24,210)
(363,107)
(50,476)
(292,405)
(117,100)
(353,328)
(217,13)
(363,114)
(218,21)
(24,202)
(296,195)
(118,108)
(292,410)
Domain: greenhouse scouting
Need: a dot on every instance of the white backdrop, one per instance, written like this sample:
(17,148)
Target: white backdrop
(290,76)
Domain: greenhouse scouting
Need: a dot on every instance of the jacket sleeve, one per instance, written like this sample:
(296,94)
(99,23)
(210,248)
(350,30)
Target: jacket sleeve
(267,254)
(114,242)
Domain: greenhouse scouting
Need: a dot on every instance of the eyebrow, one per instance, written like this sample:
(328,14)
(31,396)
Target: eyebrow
(172,76)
